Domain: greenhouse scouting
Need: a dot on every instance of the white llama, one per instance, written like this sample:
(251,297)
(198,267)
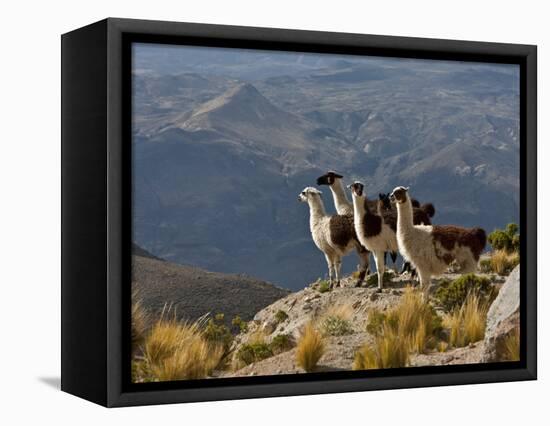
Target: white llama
(332,234)
(432,248)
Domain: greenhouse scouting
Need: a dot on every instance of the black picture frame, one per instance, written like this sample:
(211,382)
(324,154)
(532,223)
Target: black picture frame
(96,211)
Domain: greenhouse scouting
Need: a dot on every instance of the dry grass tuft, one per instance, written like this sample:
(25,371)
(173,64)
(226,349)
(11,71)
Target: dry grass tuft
(257,337)
(414,319)
(140,323)
(410,327)
(179,351)
(343,311)
(310,348)
(467,323)
(511,346)
(503,262)
(390,350)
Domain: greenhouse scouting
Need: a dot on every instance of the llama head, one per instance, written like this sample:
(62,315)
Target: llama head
(308,193)
(357,189)
(399,194)
(385,200)
(328,178)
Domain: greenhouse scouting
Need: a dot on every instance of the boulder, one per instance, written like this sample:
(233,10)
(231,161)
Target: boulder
(502,319)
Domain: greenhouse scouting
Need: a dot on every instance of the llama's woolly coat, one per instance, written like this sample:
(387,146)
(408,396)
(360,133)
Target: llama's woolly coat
(431,249)
(334,235)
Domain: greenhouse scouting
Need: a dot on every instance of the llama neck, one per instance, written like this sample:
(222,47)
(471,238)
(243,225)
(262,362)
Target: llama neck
(358,207)
(404,215)
(341,202)
(316,208)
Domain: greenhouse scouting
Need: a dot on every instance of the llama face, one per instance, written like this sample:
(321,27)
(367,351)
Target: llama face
(399,194)
(328,178)
(308,193)
(385,201)
(357,189)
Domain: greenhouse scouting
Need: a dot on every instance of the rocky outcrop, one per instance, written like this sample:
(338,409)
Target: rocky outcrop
(502,319)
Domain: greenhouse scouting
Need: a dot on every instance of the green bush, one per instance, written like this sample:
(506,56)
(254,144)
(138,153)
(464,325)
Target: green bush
(281,343)
(281,316)
(217,332)
(375,322)
(324,286)
(515,242)
(452,294)
(242,326)
(505,239)
(485,266)
(336,326)
(372,279)
(253,352)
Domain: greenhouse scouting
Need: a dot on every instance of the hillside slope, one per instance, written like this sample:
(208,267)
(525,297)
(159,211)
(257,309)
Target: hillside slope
(193,292)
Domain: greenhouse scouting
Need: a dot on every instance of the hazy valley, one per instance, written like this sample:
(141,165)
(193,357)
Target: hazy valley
(222,151)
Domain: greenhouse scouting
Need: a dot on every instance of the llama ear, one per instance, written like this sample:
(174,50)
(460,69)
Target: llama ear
(407,188)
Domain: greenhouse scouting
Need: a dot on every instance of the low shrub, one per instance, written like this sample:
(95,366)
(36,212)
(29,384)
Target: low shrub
(506,239)
(253,352)
(323,286)
(335,326)
(486,266)
(140,371)
(452,294)
(217,332)
(239,324)
(281,316)
(281,343)
(372,279)
(336,320)
(310,348)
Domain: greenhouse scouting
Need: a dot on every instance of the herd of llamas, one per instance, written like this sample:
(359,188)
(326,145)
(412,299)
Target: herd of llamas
(395,223)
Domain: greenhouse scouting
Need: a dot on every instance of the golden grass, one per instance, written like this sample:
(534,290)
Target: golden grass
(502,262)
(390,350)
(414,318)
(178,351)
(140,323)
(511,346)
(310,348)
(343,311)
(409,327)
(257,337)
(467,323)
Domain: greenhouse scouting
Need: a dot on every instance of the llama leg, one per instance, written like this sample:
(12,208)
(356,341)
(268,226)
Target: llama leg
(363,265)
(393,256)
(379,258)
(337,267)
(406,267)
(330,269)
(425,279)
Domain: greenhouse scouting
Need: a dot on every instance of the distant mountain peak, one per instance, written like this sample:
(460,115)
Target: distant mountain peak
(242,95)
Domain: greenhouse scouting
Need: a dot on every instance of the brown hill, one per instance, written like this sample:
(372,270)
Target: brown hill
(193,292)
